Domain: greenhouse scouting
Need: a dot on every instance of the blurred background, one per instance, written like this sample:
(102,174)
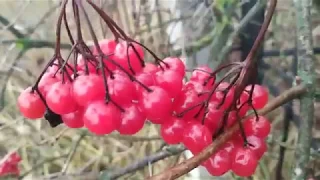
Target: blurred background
(200,31)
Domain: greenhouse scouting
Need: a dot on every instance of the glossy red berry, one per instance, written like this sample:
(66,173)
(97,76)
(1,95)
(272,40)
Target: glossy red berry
(257,145)
(213,117)
(171,81)
(202,75)
(85,64)
(150,68)
(73,119)
(196,137)
(147,79)
(172,130)
(259,96)
(30,104)
(60,98)
(87,88)
(244,162)
(101,118)
(219,163)
(122,90)
(258,127)
(46,82)
(156,104)
(174,64)
(223,95)
(132,120)
(133,52)
(185,102)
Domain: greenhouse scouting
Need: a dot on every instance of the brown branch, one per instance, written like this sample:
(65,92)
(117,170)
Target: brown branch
(187,165)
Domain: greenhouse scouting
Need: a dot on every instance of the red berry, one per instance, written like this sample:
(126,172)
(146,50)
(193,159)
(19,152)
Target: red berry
(259,127)
(219,163)
(73,119)
(88,88)
(122,90)
(244,162)
(30,104)
(257,145)
(197,86)
(150,68)
(172,130)
(83,64)
(196,137)
(101,118)
(259,96)
(230,146)
(107,46)
(202,75)
(146,79)
(232,118)
(174,64)
(132,120)
(170,81)
(124,51)
(213,117)
(60,99)
(223,95)
(46,82)
(156,104)
(185,102)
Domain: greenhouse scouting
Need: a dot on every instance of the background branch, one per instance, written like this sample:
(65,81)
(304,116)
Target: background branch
(306,71)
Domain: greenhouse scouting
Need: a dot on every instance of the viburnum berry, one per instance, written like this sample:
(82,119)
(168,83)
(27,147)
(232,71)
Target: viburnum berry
(46,82)
(30,104)
(172,130)
(60,98)
(244,161)
(147,79)
(73,119)
(150,68)
(202,75)
(213,117)
(108,47)
(101,118)
(259,96)
(87,88)
(84,65)
(257,145)
(230,146)
(259,127)
(122,90)
(219,163)
(185,103)
(132,120)
(156,104)
(223,95)
(174,64)
(133,52)
(196,137)
(171,81)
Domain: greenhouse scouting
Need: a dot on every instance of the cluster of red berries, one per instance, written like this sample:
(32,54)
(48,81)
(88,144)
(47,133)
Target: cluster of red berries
(122,92)
(9,164)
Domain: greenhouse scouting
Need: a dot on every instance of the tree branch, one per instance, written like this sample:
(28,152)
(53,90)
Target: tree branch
(306,72)
(195,161)
(11,28)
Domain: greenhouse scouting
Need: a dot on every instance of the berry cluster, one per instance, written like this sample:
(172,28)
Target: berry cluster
(9,165)
(109,87)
